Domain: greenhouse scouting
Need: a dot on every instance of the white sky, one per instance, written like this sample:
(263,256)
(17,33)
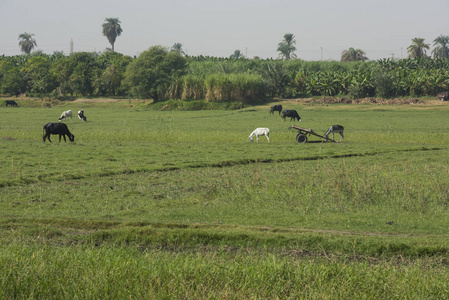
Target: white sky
(322,28)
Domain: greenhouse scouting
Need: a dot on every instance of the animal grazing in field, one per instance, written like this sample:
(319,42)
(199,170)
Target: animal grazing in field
(81,115)
(275,108)
(335,129)
(11,103)
(292,114)
(443,96)
(57,128)
(65,115)
(258,132)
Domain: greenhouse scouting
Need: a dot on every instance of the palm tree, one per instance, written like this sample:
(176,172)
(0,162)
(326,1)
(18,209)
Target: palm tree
(27,42)
(418,48)
(441,50)
(177,47)
(112,29)
(237,54)
(287,47)
(353,55)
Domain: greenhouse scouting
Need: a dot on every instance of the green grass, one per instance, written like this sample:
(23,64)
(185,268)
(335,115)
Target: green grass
(179,204)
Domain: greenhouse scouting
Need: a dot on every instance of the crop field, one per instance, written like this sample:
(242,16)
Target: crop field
(180,204)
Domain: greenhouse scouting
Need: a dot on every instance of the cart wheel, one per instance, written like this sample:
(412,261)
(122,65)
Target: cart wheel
(301,138)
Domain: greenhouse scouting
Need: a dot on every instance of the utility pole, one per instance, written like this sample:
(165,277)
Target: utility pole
(71,46)
(321,53)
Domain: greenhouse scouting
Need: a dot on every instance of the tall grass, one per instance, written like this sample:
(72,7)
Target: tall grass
(68,272)
(228,87)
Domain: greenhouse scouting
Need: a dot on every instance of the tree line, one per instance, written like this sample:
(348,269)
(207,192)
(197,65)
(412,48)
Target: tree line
(161,74)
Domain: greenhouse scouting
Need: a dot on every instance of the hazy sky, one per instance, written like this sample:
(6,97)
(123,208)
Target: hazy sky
(323,28)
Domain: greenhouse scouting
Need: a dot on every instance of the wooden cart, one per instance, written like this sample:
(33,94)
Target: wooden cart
(301,137)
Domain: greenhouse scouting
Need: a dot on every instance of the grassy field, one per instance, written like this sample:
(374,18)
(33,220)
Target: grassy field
(180,204)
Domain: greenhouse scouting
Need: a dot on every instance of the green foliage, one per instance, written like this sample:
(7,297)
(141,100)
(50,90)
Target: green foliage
(287,47)
(161,75)
(27,42)
(38,78)
(11,81)
(111,30)
(150,75)
(234,87)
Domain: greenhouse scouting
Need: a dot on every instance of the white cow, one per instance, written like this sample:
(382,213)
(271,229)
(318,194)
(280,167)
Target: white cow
(258,132)
(65,115)
(335,129)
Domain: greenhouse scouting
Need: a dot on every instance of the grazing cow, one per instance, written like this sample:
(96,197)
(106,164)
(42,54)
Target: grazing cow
(275,108)
(11,103)
(258,132)
(57,128)
(292,114)
(65,115)
(443,96)
(81,115)
(335,129)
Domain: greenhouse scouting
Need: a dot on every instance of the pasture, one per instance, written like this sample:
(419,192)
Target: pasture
(180,204)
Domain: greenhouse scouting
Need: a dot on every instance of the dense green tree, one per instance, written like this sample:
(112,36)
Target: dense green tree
(237,54)
(108,81)
(150,75)
(38,77)
(353,55)
(11,82)
(27,42)
(111,30)
(441,49)
(287,47)
(76,72)
(177,47)
(62,69)
(418,48)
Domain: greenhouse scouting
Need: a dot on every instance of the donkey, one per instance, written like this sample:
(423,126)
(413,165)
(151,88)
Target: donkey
(335,129)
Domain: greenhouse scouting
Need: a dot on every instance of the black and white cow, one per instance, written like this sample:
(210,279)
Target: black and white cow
(292,114)
(57,128)
(11,103)
(275,108)
(81,115)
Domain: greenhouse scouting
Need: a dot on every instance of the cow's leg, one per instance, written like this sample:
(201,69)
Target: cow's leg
(268,138)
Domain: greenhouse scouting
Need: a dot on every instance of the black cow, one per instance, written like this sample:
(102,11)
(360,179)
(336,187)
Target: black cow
(275,108)
(81,115)
(292,114)
(57,128)
(10,102)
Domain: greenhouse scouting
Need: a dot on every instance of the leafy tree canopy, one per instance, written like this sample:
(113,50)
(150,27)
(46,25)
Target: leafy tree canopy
(418,48)
(353,55)
(150,75)
(287,47)
(27,42)
(111,30)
